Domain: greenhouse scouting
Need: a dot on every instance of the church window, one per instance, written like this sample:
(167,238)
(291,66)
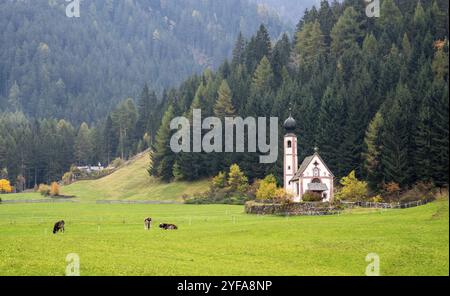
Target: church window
(316,172)
(289,144)
(316,180)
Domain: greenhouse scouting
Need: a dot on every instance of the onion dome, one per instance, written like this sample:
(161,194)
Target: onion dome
(290,124)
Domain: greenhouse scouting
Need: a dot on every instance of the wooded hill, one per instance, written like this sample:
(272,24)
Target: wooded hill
(81,68)
(371,93)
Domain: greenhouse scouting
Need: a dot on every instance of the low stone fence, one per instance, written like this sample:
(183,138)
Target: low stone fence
(292,209)
(380,205)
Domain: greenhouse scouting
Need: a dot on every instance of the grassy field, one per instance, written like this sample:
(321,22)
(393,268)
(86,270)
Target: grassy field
(132,182)
(221,240)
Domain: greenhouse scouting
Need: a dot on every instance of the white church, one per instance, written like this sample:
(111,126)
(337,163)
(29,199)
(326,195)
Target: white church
(312,175)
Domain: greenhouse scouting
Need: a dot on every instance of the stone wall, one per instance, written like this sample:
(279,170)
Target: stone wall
(292,209)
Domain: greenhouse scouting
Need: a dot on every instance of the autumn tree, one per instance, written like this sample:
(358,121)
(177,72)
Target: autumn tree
(5,186)
(352,188)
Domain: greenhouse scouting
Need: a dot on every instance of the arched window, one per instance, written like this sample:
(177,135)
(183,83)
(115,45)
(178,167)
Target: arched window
(316,180)
(289,144)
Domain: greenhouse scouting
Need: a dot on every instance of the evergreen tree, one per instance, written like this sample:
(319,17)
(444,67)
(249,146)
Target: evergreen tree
(162,158)
(83,145)
(372,152)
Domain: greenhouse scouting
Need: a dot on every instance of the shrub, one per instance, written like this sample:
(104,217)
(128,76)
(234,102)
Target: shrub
(378,198)
(267,188)
(219,181)
(282,196)
(352,188)
(44,190)
(392,191)
(67,179)
(420,191)
(54,189)
(5,186)
(118,162)
(312,197)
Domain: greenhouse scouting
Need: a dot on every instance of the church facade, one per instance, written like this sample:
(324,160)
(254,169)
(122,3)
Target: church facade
(313,175)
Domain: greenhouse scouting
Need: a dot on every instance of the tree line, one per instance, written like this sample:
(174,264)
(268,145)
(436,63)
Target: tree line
(35,151)
(371,93)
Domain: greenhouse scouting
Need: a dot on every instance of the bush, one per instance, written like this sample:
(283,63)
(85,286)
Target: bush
(267,188)
(312,197)
(67,179)
(54,189)
(44,190)
(352,189)
(118,162)
(377,199)
(5,186)
(420,191)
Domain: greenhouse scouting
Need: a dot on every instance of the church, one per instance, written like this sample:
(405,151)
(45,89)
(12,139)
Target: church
(312,175)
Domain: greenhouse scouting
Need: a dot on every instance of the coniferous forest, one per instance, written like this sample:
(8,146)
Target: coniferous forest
(371,93)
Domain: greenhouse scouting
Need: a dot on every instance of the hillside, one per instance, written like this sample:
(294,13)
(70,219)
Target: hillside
(132,182)
(79,68)
(289,9)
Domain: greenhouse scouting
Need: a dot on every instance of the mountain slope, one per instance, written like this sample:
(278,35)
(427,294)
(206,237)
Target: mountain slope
(292,10)
(78,68)
(132,182)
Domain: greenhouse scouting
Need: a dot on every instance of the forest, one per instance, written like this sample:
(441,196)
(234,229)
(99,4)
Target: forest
(79,69)
(371,93)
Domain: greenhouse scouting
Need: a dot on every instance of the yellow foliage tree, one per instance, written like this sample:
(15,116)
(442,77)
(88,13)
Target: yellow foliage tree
(237,179)
(54,189)
(5,186)
(352,188)
(267,188)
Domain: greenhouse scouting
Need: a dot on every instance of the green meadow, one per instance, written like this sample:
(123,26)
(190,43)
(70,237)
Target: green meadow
(132,182)
(221,240)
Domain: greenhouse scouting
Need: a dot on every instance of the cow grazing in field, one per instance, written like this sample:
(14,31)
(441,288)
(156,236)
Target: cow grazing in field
(166,226)
(59,226)
(147,223)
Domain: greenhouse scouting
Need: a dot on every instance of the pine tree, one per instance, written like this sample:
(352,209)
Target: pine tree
(395,138)
(346,33)
(310,44)
(162,158)
(239,51)
(372,152)
(83,145)
(224,106)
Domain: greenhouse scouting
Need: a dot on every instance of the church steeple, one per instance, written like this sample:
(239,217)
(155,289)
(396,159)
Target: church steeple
(290,154)
(290,124)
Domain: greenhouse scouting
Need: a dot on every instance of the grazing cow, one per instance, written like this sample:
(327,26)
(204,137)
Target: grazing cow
(147,223)
(59,226)
(166,226)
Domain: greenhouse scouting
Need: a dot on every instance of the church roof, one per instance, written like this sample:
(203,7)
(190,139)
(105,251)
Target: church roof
(305,165)
(317,187)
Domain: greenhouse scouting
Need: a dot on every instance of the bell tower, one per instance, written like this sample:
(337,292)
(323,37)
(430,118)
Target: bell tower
(290,165)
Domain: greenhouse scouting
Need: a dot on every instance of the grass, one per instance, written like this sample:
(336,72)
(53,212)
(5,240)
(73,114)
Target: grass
(221,240)
(132,182)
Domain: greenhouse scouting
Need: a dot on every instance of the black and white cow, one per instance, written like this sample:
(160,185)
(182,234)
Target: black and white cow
(147,223)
